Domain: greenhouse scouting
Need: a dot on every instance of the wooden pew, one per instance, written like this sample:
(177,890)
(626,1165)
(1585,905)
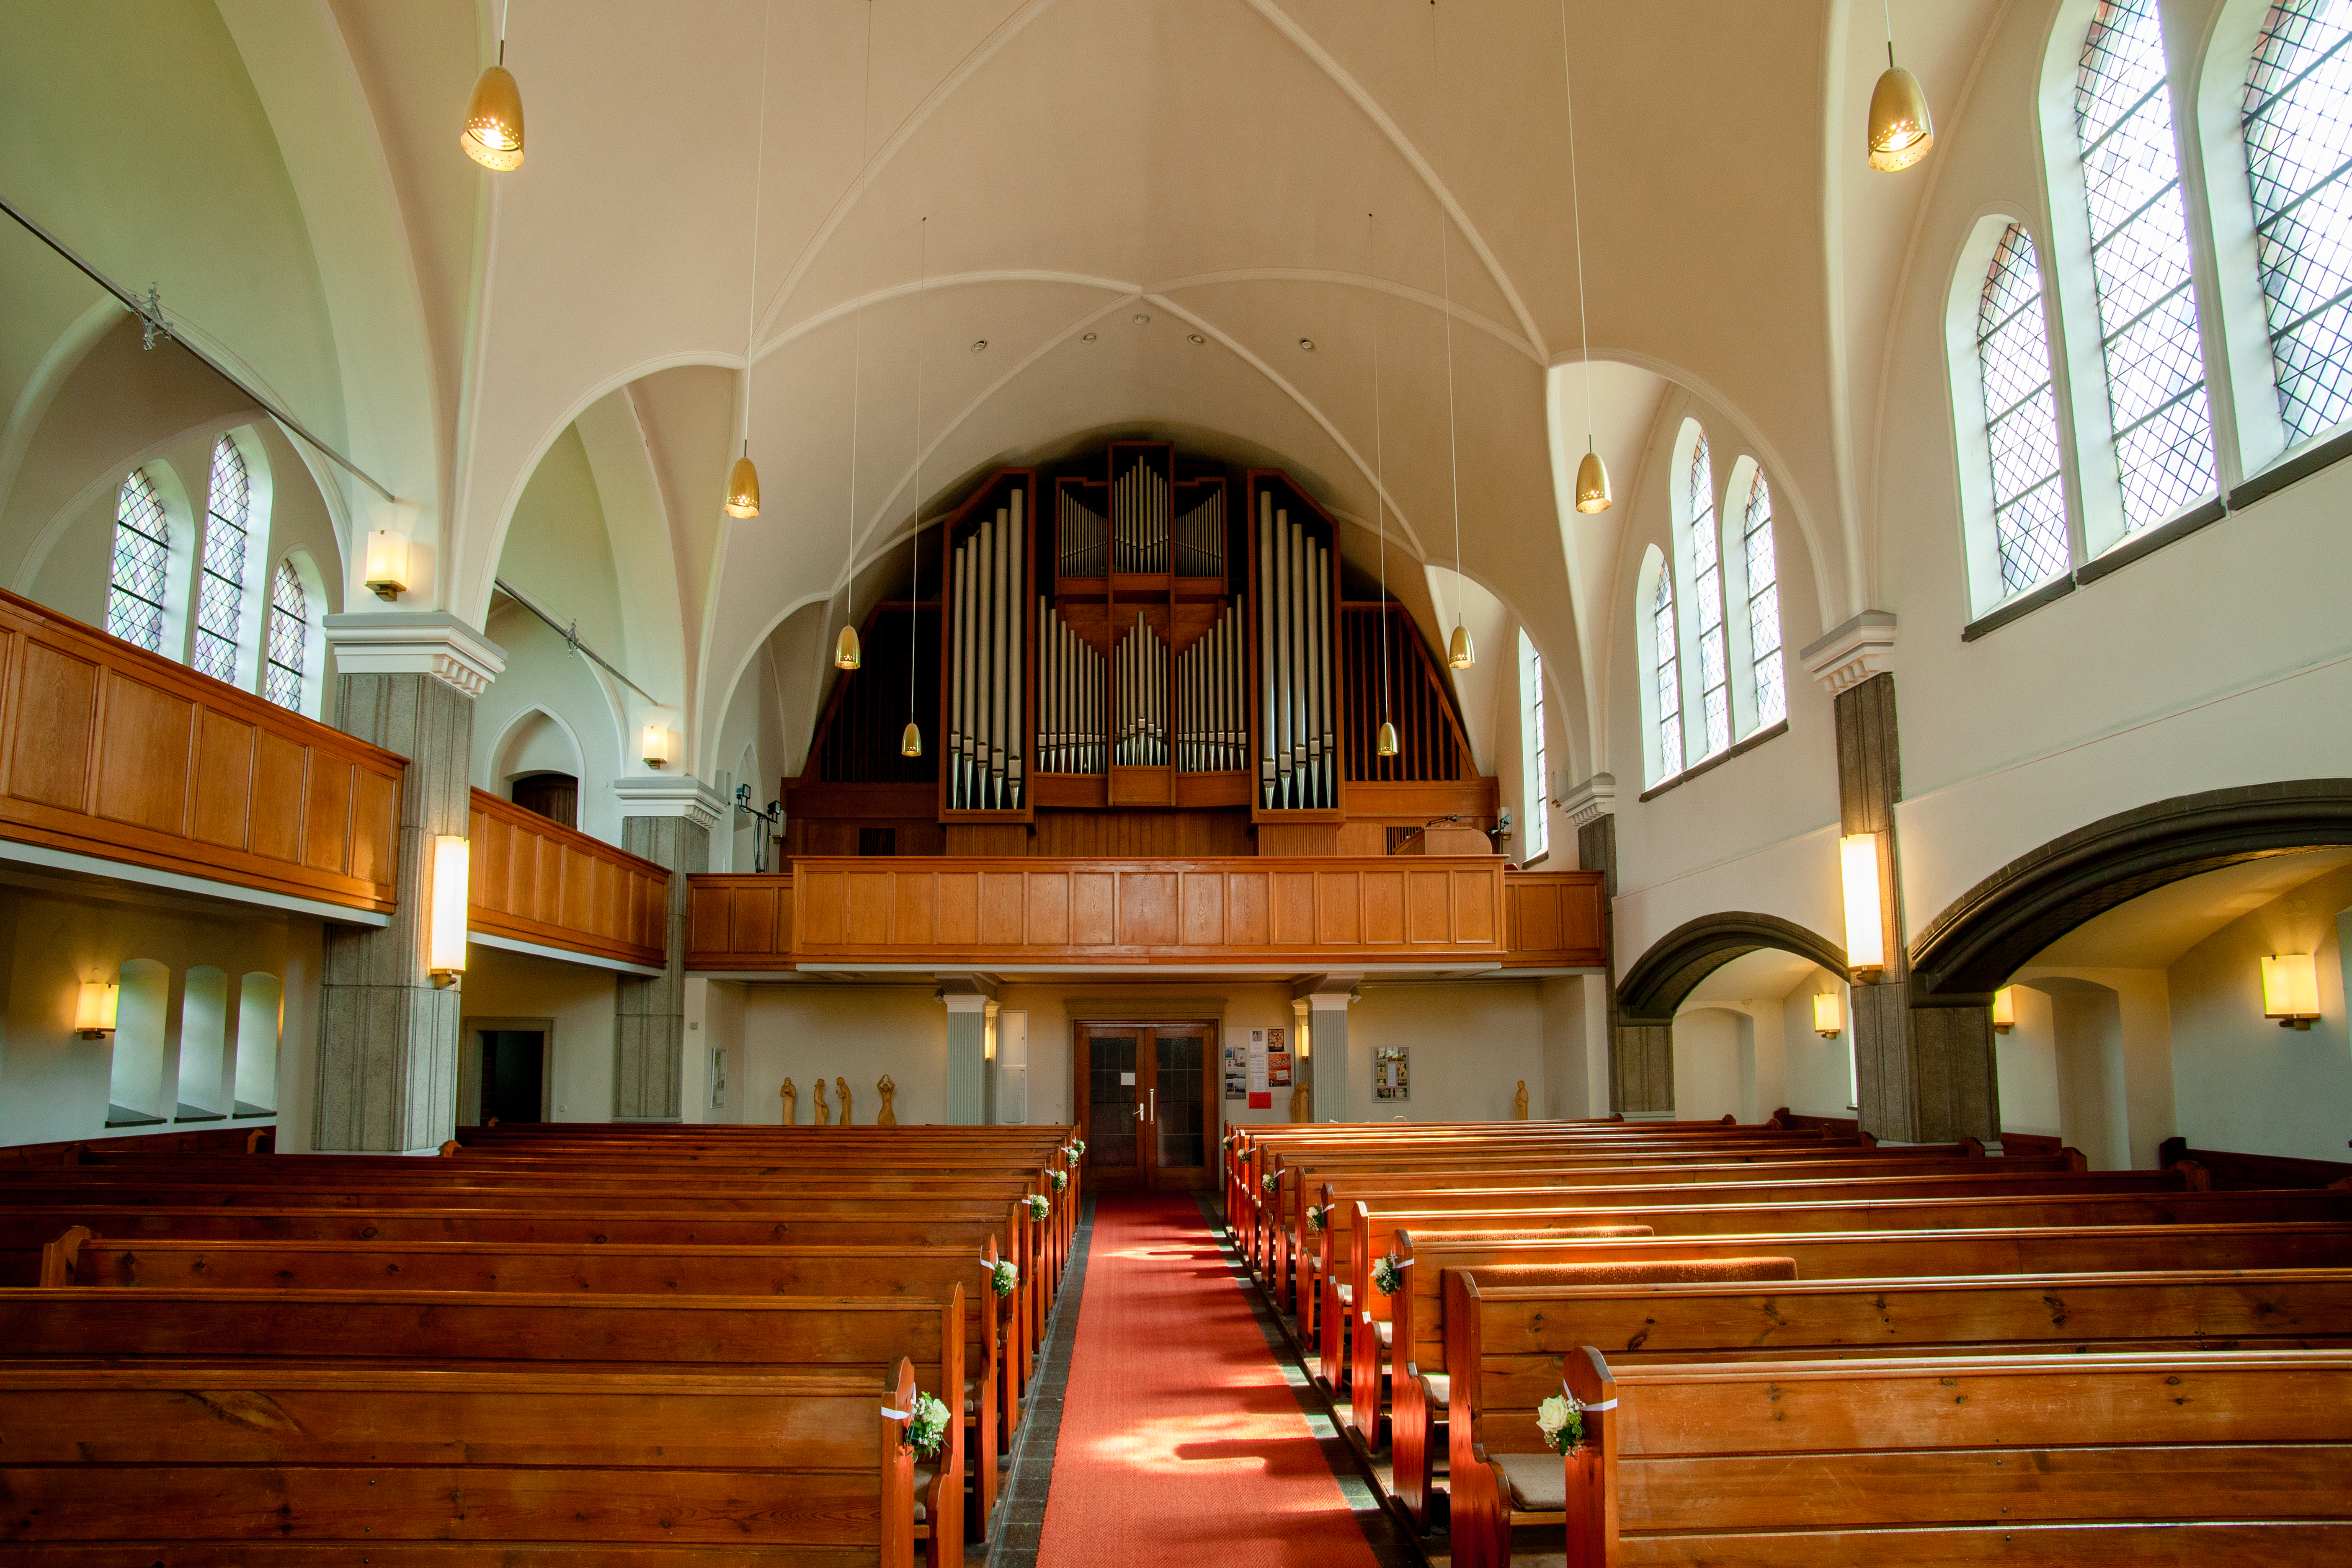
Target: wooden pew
(2218,1456)
(207,1466)
(989,1402)
(1507,1345)
(486,1332)
(1419,1379)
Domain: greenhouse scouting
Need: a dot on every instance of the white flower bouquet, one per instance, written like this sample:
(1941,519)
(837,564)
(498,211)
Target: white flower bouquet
(1078,1147)
(1388,1275)
(1561,1423)
(1061,1180)
(1270,1181)
(1003,1279)
(927,1427)
(1314,1214)
(1039,1205)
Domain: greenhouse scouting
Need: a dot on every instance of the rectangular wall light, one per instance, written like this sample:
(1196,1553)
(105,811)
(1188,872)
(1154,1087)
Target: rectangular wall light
(1866,929)
(387,563)
(656,746)
(2290,989)
(2004,1009)
(1828,1015)
(445,899)
(94,1008)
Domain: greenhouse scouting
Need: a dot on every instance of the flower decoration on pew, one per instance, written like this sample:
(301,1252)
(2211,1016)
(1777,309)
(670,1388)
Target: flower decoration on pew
(1561,1423)
(1315,1213)
(927,1427)
(1077,1148)
(1002,1278)
(1270,1181)
(1388,1275)
(1039,1205)
(1061,1180)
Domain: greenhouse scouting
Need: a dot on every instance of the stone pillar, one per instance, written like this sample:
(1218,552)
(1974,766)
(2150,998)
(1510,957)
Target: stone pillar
(1327,998)
(668,818)
(1925,1074)
(968,998)
(387,1067)
(1641,1052)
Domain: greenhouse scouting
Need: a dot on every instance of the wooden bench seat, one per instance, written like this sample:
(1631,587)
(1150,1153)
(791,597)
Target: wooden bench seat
(209,1468)
(1506,1344)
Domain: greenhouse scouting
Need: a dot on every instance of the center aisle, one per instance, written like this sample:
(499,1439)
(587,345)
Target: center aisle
(1180,1440)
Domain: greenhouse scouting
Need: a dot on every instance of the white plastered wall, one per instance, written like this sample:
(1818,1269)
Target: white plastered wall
(576,998)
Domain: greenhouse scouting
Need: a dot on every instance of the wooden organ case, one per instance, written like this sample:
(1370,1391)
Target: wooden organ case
(1143,655)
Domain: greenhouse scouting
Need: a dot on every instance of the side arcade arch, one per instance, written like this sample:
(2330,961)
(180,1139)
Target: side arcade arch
(1650,992)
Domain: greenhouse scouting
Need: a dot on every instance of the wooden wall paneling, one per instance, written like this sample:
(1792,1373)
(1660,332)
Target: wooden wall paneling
(536,880)
(1554,918)
(110,751)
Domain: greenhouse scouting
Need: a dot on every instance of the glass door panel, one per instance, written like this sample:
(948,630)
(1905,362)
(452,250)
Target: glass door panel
(1180,1141)
(1114,1086)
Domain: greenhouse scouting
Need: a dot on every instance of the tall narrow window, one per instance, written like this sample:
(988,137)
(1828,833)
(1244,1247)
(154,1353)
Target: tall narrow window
(220,603)
(1668,674)
(142,554)
(290,638)
(2020,412)
(1706,582)
(2139,258)
(1535,756)
(2299,157)
(1764,604)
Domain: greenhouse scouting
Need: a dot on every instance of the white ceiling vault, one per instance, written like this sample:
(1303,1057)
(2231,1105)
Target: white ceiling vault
(1040,174)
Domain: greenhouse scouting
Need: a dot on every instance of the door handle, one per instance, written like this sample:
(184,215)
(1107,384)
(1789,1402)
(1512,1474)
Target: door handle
(1154,1101)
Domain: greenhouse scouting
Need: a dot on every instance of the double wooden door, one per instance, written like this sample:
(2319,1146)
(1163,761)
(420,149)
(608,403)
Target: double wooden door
(1146,1097)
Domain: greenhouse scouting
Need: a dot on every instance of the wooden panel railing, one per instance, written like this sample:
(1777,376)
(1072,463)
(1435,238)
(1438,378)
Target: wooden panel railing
(1323,913)
(1554,920)
(110,751)
(537,882)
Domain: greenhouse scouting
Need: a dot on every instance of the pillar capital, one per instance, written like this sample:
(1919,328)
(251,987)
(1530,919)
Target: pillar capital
(1853,652)
(414,642)
(652,794)
(1590,801)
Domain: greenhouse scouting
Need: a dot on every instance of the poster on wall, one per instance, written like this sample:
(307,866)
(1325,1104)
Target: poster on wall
(1392,1068)
(1237,1070)
(1277,1059)
(1260,1097)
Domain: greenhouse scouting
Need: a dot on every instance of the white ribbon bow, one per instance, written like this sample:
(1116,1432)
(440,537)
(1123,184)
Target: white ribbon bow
(897,1414)
(1578,1404)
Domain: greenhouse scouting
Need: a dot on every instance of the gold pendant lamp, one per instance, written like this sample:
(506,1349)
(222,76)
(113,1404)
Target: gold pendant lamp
(1592,474)
(910,741)
(1901,129)
(743,486)
(1459,654)
(1386,744)
(847,655)
(743,480)
(493,133)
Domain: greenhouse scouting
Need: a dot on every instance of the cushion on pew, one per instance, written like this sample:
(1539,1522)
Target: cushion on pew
(1539,1482)
(1678,1271)
(1441,1388)
(1547,1233)
(1347,1295)
(1387,1332)
(926,1475)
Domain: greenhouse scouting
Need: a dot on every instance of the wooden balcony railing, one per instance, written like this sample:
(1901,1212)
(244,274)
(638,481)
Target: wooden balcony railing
(535,880)
(1312,912)
(108,751)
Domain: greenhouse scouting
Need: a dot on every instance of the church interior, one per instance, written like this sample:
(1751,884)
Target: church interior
(660,662)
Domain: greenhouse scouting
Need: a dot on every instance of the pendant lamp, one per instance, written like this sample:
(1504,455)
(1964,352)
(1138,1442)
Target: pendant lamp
(743,480)
(1386,743)
(1901,129)
(1592,474)
(910,741)
(1459,654)
(493,133)
(847,654)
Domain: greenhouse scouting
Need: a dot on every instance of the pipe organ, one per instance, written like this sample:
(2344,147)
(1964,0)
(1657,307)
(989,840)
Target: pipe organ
(1073,692)
(1298,749)
(1138,670)
(987,643)
(1212,700)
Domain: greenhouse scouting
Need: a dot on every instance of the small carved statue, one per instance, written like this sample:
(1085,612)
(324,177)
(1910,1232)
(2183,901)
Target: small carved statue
(843,1084)
(1519,1102)
(1302,1102)
(823,1110)
(889,1115)
(792,1098)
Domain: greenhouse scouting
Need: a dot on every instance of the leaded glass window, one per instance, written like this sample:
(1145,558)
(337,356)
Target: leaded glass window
(2020,412)
(1668,674)
(1537,756)
(142,554)
(2139,260)
(290,635)
(2298,126)
(220,584)
(1763,604)
(1707,582)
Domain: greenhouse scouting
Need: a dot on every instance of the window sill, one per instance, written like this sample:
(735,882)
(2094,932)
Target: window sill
(1738,749)
(2023,604)
(2301,466)
(1532,862)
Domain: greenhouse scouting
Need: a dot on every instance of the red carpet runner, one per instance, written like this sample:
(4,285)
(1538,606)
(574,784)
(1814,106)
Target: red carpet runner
(1180,1442)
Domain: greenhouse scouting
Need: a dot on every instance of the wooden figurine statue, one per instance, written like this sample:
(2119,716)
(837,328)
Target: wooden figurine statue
(843,1084)
(889,1115)
(823,1110)
(792,1098)
(1519,1102)
(1302,1103)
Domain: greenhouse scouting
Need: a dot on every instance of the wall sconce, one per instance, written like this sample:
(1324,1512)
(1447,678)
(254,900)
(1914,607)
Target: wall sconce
(445,938)
(2004,1010)
(94,1008)
(1865,927)
(387,563)
(1828,1015)
(2291,990)
(656,747)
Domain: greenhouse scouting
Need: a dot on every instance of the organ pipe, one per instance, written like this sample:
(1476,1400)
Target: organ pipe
(1069,727)
(984,737)
(1210,695)
(1298,739)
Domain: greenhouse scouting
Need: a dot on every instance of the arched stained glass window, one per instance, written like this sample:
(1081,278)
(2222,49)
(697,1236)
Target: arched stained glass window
(1668,674)
(2020,412)
(1707,582)
(2298,124)
(290,636)
(220,602)
(1763,604)
(2139,258)
(142,554)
